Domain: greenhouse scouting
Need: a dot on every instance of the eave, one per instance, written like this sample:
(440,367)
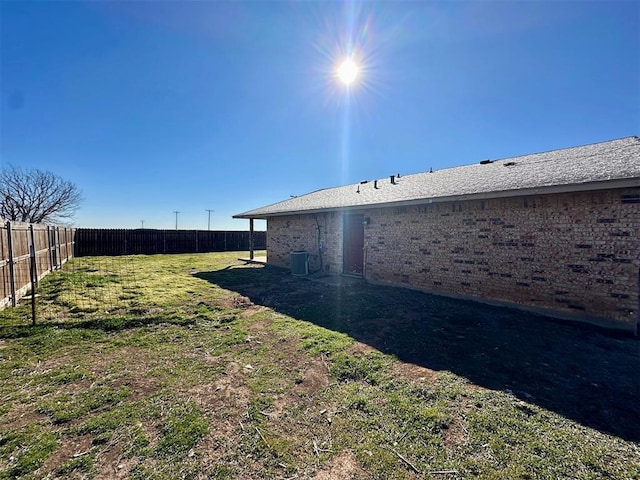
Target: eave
(525,192)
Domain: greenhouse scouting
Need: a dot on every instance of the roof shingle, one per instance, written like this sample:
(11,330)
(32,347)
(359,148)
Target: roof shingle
(578,168)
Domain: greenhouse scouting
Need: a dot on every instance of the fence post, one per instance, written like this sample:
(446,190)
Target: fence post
(49,245)
(34,280)
(60,248)
(56,236)
(33,244)
(12,276)
(66,242)
(54,249)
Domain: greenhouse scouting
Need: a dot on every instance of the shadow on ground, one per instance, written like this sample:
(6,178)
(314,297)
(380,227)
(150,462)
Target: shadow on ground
(106,324)
(583,373)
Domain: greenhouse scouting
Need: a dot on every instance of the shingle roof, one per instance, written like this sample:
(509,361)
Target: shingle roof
(570,169)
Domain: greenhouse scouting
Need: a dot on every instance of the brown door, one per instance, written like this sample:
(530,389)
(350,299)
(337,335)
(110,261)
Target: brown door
(353,244)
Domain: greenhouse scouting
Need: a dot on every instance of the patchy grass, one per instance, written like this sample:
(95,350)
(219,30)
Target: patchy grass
(196,366)
(26,449)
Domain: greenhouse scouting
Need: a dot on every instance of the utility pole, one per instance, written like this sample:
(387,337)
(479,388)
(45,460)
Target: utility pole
(209,220)
(142,221)
(176,212)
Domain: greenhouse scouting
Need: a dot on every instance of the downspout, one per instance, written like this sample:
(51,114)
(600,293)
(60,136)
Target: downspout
(364,261)
(319,244)
(364,249)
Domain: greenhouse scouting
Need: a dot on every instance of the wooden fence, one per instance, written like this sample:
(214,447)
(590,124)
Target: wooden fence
(101,241)
(24,246)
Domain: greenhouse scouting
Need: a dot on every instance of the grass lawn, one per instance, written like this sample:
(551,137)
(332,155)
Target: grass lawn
(198,366)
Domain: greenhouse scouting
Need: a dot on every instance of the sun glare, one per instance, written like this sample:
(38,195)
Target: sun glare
(348,72)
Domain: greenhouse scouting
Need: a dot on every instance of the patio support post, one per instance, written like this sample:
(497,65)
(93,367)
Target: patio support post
(251,239)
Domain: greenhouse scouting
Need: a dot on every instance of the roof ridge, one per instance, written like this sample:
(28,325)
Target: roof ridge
(567,148)
(466,165)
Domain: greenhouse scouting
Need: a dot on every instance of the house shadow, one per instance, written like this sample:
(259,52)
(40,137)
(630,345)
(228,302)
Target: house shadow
(581,372)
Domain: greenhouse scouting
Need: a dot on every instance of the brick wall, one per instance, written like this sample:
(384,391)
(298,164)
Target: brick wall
(575,254)
(301,232)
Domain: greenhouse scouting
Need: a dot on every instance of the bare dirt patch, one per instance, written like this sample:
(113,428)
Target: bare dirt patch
(134,373)
(121,470)
(414,372)
(141,386)
(314,379)
(135,359)
(344,466)
(259,325)
(359,348)
(235,301)
(254,310)
(109,463)
(70,447)
(74,387)
(311,374)
(228,392)
(50,363)
(19,416)
(456,434)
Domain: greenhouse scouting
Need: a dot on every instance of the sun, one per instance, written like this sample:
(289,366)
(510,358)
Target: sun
(348,71)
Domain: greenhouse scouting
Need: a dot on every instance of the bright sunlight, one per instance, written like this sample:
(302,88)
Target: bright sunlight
(348,71)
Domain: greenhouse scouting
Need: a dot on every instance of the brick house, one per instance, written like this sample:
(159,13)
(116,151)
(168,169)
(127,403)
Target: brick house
(555,232)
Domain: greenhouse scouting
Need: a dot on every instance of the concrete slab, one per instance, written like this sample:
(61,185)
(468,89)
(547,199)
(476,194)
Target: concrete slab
(335,280)
(261,260)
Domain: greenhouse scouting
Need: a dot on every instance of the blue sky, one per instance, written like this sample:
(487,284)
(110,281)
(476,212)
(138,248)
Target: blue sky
(152,107)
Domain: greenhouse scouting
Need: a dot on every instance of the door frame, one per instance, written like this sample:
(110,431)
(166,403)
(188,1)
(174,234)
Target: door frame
(353,223)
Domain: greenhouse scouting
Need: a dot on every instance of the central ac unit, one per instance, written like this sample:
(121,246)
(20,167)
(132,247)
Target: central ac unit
(300,263)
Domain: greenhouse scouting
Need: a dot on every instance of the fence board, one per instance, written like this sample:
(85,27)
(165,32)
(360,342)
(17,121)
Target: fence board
(52,245)
(109,241)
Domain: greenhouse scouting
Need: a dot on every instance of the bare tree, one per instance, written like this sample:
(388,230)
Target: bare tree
(36,196)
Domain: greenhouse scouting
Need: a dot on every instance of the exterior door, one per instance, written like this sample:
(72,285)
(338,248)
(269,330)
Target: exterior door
(353,244)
